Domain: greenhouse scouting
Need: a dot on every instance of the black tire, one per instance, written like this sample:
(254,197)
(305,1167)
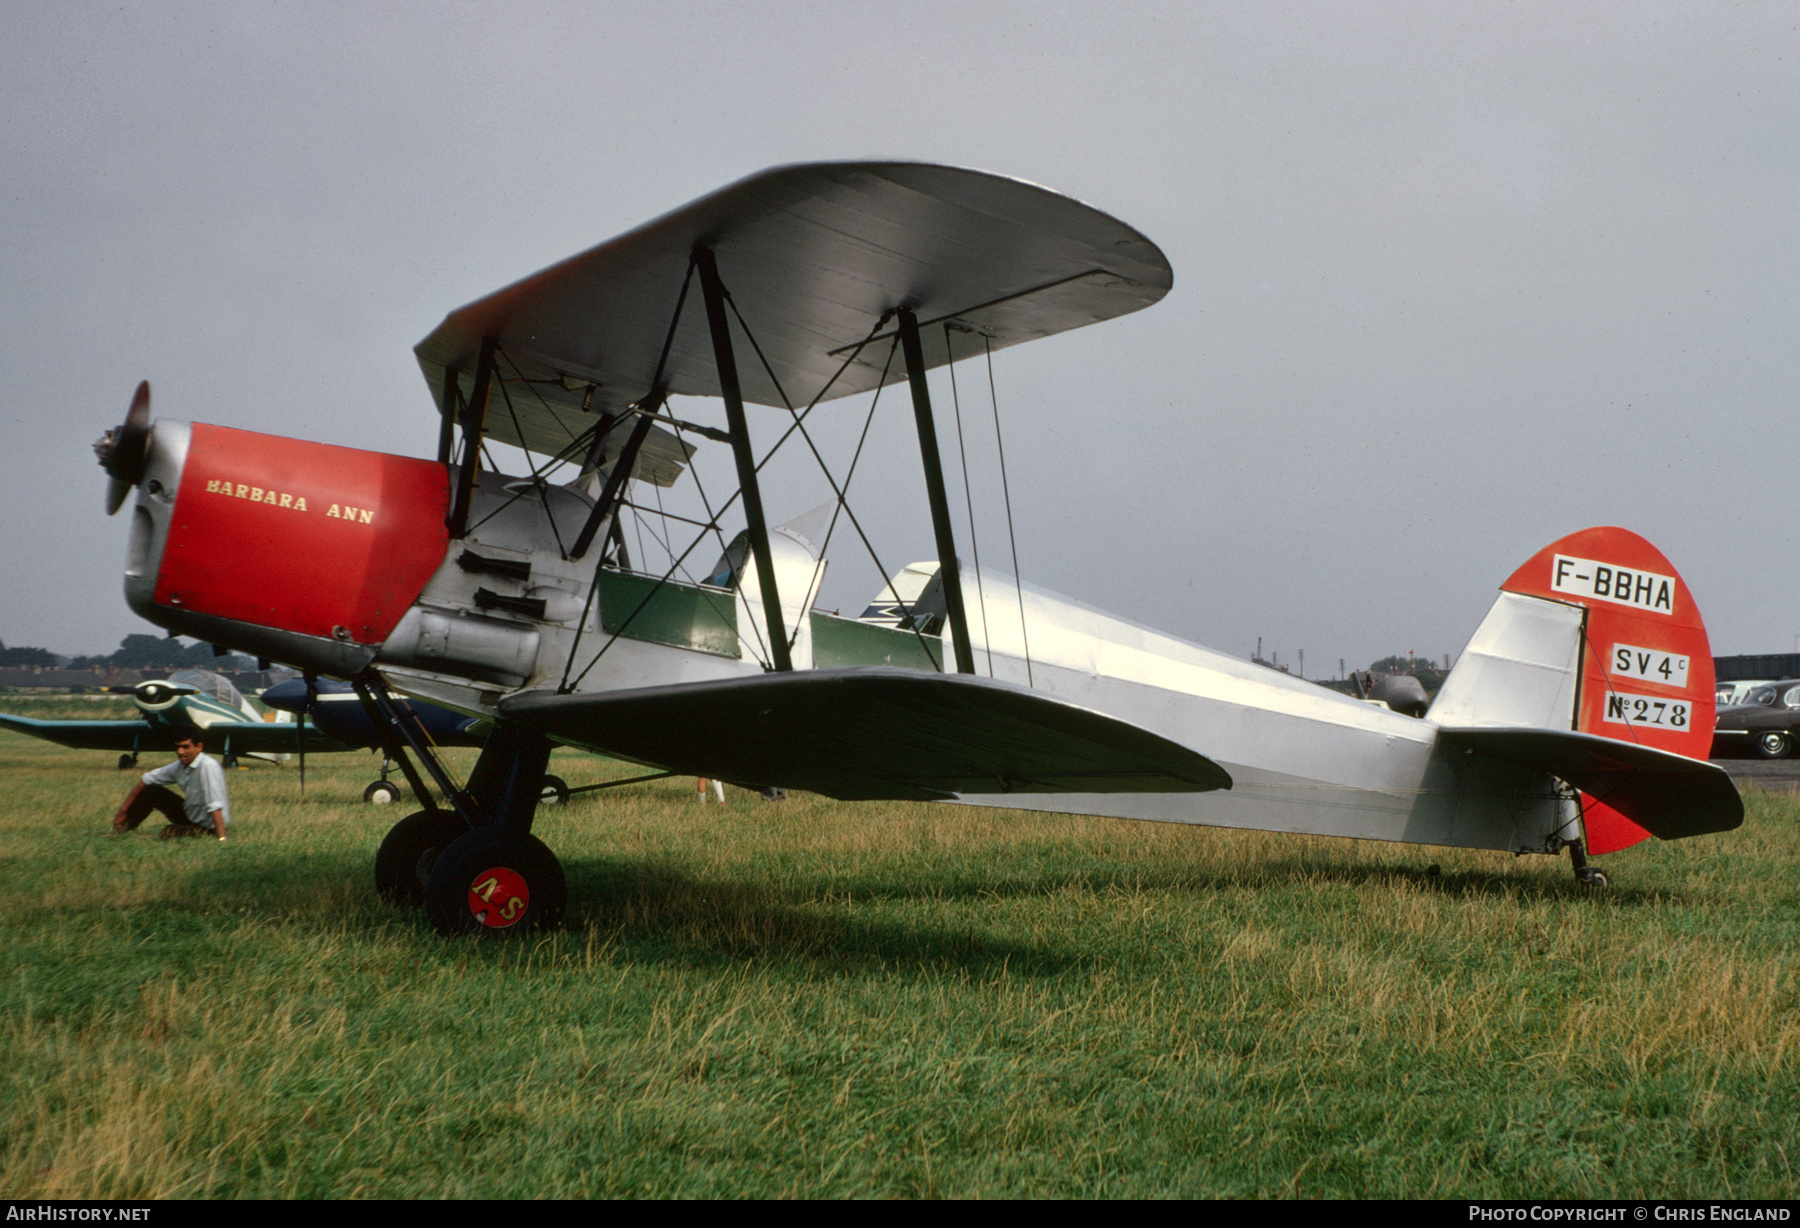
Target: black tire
(382,793)
(497,882)
(1772,744)
(555,792)
(229,763)
(408,852)
(127,762)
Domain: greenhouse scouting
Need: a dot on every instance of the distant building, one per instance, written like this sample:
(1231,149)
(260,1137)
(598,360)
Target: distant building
(1748,668)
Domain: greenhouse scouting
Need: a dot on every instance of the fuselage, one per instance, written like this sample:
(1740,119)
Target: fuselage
(353,569)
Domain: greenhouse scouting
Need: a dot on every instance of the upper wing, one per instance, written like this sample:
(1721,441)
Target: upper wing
(813,255)
(862,734)
(1666,794)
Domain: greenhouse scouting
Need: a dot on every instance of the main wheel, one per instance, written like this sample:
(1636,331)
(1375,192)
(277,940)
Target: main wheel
(408,852)
(1773,744)
(381,793)
(495,881)
(555,791)
(126,762)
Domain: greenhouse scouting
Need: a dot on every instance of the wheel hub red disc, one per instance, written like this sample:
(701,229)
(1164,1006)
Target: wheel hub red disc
(498,897)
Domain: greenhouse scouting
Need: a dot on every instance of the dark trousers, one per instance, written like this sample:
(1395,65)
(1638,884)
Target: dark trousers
(157,799)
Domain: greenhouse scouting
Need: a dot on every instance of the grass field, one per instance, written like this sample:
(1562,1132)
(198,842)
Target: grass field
(820,999)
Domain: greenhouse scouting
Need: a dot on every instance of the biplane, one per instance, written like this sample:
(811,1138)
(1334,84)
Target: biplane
(1576,719)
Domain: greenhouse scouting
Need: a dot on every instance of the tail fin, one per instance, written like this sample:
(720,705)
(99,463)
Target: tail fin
(1597,634)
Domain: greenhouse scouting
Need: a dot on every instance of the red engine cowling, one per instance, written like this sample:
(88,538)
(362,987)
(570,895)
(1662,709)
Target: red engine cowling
(305,552)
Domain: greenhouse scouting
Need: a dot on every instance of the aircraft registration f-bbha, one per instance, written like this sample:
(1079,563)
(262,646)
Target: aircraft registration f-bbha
(1577,718)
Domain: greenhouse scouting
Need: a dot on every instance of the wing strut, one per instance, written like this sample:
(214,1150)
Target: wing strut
(606,504)
(934,488)
(714,292)
(474,416)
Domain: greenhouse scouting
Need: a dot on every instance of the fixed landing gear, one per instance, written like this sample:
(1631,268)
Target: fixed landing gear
(476,868)
(382,793)
(1586,875)
(127,762)
(407,855)
(496,881)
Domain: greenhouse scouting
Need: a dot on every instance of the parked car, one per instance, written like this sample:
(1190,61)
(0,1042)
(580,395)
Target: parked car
(1766,724)
(1728,693)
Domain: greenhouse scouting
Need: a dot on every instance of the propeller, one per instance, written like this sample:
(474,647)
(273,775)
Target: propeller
(124,449)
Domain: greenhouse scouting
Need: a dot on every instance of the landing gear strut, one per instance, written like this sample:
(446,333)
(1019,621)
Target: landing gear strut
(498,878)
(1586,875)
(475,867)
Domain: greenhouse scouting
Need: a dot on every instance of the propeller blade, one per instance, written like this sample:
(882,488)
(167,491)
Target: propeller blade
(124,450)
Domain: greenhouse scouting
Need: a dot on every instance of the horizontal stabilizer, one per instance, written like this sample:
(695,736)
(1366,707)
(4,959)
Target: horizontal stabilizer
(1666,794)
(867,734)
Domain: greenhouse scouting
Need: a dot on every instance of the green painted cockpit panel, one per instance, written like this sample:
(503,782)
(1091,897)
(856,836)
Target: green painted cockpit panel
(843,643)
(692,616)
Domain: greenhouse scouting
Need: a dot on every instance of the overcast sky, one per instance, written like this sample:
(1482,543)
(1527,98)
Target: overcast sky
(1451,280)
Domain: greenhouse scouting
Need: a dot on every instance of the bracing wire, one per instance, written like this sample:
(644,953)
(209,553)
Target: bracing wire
(759,650)
(651,400)
(806,437)
(1012,539)
(962,451)
(536,479)
(857,455)
(798,424)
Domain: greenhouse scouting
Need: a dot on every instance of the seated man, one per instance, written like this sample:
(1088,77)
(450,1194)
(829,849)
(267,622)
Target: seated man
(199,809)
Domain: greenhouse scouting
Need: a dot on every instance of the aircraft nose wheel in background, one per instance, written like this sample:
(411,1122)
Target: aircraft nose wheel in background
(381,793)
(408,852)
(496,881)
(555,791)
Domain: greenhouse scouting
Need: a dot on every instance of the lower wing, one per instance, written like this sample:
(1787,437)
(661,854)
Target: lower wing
(866,734)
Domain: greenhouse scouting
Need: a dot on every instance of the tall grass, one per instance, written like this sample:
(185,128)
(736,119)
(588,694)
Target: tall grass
(811,998)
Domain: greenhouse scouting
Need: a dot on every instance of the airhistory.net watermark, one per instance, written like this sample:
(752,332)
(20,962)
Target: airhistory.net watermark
(63,1213)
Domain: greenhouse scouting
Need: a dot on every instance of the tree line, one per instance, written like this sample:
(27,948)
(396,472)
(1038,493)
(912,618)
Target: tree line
(133,652)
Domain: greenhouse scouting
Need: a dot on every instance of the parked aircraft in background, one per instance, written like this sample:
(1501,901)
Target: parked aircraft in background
(1578,717)
(339,713)
(187,700)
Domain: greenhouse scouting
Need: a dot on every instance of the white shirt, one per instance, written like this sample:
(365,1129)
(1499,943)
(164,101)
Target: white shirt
(202,787)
